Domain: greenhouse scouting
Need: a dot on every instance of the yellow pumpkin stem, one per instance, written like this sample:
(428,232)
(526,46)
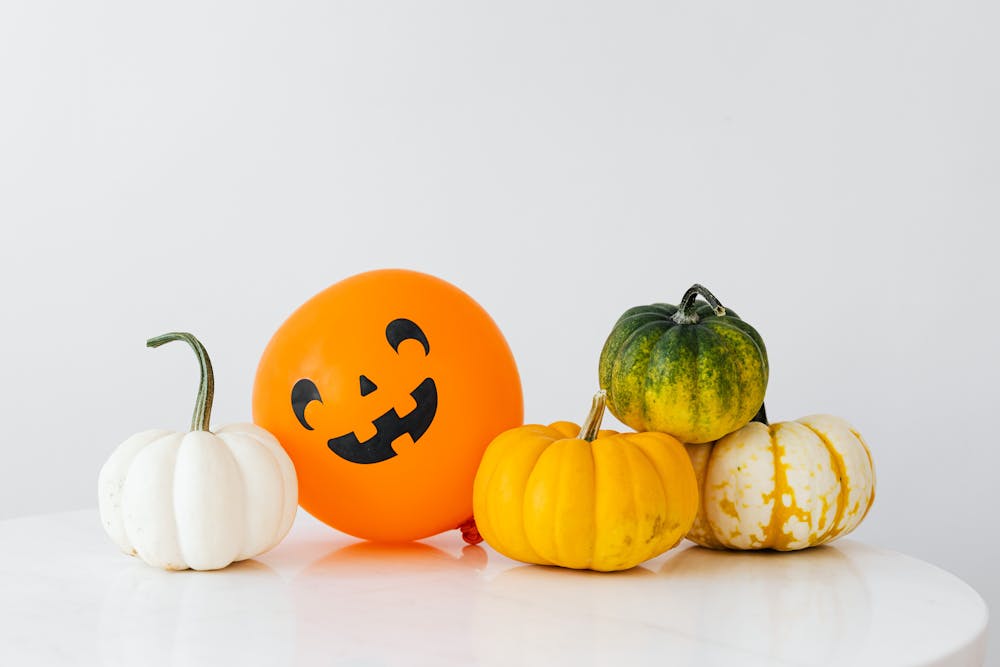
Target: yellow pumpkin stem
(592,424)
(206,388)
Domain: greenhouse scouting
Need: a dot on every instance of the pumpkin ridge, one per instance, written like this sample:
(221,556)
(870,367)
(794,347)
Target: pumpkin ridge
(654,324)
(690,490)
(241,552)
(597,506)
(593,516)
(595,551)
(486,523)
(662,360)
(277,533)
(609,555)
(738,339)
(278,529)
(655,331)
(667,309)
(119,510)
(561,488)
(845,485)
(871,466)
(244,493)
(650,315)
(171,446)
(212,524)
(658,472)
(750,333)
(542,430)
(636,310)
(743,364)
(703,495)
(695,413)
(173,506)
(780,482)
(527,475)
(488,466)
(723,375)
(654,318)
(628,456)
(792,509)
(527,482)
(572,552)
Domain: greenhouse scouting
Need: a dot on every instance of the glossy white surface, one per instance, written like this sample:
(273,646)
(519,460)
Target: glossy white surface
(69,597)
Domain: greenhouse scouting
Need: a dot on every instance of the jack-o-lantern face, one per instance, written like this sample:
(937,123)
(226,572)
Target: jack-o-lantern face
(390,425)
(385,389)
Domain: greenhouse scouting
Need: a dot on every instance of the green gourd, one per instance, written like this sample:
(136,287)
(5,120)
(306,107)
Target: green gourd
(696,370)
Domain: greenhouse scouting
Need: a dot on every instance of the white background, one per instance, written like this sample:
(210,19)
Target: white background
(831,173)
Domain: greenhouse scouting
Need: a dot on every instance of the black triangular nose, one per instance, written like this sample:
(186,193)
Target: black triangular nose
(367,386)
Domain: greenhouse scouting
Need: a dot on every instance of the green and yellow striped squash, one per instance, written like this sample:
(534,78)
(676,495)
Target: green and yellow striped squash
(695,371)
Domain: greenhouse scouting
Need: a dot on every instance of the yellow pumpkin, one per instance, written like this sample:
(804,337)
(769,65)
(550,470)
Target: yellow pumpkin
(783,486)
(584,498)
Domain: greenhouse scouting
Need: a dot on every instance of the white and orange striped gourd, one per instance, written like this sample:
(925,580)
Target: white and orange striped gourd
(784,486)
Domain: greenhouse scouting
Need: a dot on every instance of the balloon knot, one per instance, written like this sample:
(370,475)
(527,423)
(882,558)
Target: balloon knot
(470,533)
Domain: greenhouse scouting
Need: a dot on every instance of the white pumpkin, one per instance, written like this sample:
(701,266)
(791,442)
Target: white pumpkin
(783,486)
(198,500)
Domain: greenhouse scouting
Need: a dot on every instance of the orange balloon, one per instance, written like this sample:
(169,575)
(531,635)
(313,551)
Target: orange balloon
(385,389)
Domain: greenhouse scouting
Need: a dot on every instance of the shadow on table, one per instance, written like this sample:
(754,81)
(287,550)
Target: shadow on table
(153,617)
(370,603)
(809,607)
(405,558)
(537,614)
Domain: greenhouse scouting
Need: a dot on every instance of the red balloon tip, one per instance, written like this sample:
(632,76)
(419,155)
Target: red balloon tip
(470,533)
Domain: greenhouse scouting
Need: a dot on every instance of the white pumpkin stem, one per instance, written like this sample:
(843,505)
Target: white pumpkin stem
(685,310)
(206,389)
(592,424)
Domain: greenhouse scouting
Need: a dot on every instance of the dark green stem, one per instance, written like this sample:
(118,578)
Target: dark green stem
(761,416)
(592,424)
(685,309)
(206,389)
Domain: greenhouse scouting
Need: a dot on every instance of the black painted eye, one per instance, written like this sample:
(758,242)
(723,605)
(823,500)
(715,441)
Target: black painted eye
(303,393)
(404,329)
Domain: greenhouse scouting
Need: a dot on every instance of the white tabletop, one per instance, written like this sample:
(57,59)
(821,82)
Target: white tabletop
(67,596)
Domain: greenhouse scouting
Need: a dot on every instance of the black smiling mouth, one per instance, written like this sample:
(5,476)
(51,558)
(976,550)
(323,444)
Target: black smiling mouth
(388,427)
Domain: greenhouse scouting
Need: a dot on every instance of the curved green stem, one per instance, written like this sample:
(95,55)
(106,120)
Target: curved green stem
(206,389)
(685,310)
(592,424)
